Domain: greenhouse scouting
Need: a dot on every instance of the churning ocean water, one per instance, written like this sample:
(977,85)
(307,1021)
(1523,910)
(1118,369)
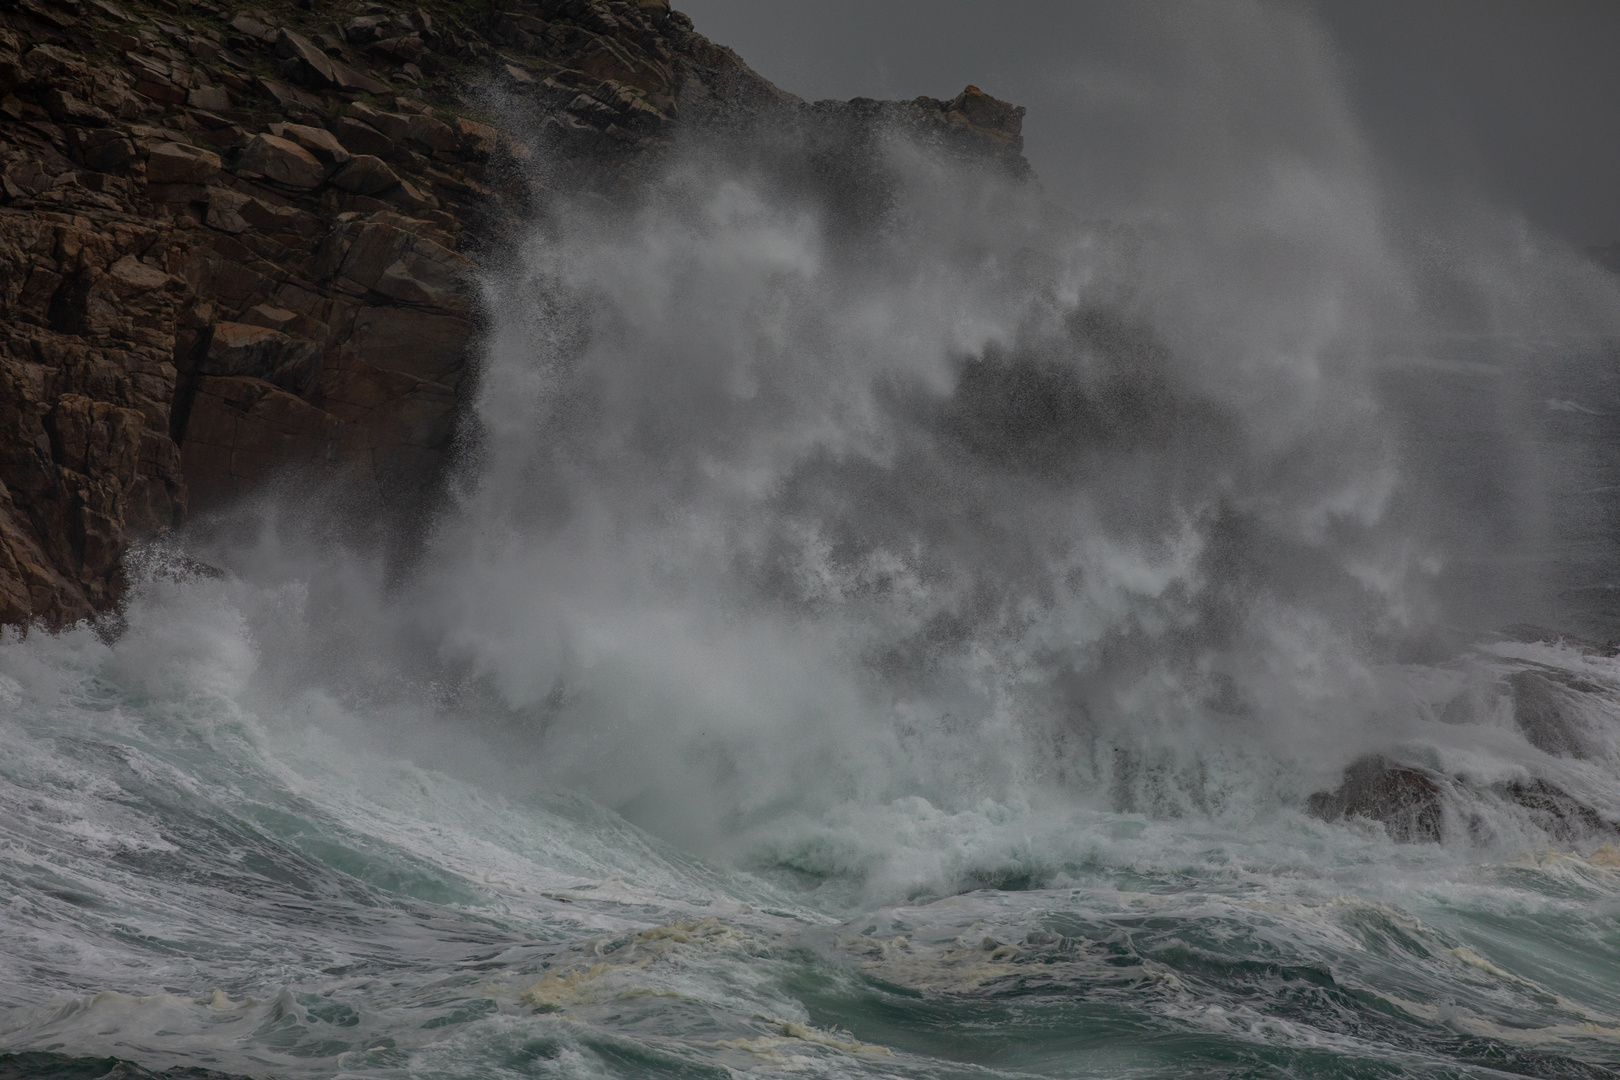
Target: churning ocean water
(885,626)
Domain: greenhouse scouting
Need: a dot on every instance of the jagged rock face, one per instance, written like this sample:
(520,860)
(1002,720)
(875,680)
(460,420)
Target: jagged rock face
(238,242)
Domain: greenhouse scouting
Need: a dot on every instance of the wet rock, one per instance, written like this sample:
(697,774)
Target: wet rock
(981,110)
(1555,812)
(282,161)
(422,344)
(1405,800)
(1545,712)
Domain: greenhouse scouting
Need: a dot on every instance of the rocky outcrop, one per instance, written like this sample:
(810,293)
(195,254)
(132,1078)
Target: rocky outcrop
(1405,800)
(238,243)
(1420,805)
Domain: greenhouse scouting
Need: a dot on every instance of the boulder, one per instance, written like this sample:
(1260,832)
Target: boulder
(365,29)
(365,175)
(1406,801)
(68,109)
(407,196)
(209,98)
(318,141)
(292,101)
(225,210)
(248,26)
(394,125)
(178,163)
(281,161)
(435,135)
(311,65)
(475,140)
(361,138)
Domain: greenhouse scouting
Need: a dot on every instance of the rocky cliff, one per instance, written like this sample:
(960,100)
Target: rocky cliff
(242,243)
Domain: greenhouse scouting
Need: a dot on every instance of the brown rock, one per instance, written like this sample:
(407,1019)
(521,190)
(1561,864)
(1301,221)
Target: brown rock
(318,141)
(212,98)
(136,277)
(178,163)
(315,68)
(982,110)
(474,139)
(256,351)
(68,109)
(365,175)
(407,196)
(248,26)
(282,161)
(393,125)
(361,138)
(423,344)
(393,262)
(293,101)
(243,431)
(225,210)
(433,134)
(159,89)
(395,426)
(272,318)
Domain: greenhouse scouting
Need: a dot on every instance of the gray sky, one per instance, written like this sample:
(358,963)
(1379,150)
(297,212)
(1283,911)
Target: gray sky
(1517,101)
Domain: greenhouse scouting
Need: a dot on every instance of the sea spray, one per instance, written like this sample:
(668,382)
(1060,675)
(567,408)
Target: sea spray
(987,592)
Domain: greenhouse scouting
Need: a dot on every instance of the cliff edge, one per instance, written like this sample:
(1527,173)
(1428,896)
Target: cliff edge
(238,243)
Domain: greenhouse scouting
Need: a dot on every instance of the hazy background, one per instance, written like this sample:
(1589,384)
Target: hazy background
(1515,101)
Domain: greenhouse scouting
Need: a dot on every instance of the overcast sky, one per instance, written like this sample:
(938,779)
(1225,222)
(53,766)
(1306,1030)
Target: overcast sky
(1516,101)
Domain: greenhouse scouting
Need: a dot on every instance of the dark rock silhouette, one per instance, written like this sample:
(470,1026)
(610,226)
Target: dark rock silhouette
(1405,800)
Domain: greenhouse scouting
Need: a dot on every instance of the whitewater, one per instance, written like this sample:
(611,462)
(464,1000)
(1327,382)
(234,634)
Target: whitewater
(881,622)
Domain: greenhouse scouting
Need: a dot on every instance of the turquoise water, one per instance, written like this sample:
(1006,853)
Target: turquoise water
(189,878)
